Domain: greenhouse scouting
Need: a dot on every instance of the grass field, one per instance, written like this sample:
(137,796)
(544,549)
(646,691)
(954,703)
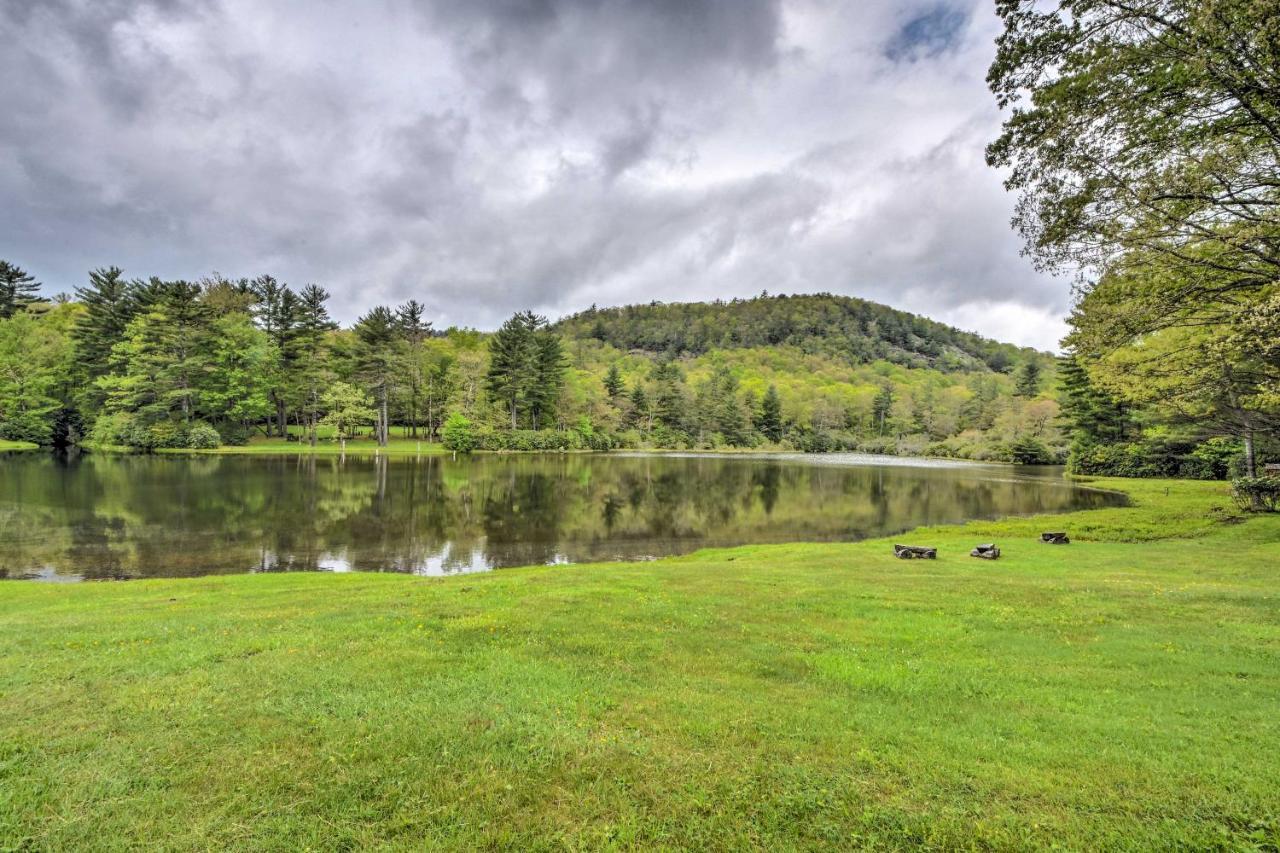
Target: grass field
(1119,692)
(399,444)
(5,444)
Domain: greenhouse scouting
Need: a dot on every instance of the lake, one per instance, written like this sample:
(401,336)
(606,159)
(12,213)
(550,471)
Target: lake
(91,516)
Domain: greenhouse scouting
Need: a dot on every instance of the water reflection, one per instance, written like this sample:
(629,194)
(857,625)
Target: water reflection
(105,516)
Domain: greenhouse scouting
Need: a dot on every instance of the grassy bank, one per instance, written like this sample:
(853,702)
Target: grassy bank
(1122,691)
(5,444)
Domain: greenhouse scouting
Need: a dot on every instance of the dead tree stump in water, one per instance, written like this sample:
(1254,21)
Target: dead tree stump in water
(986,552)
(1055,538)
(914,552)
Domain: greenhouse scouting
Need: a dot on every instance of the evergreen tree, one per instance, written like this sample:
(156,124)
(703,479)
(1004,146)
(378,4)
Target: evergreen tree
(377,336)
(548,379)
(410,323)
(153,388)
(1092,415)
(17,289)
(640,413)
(513,363)
(277,314)
(1027,383)
(414,330)
(769,421)
(613,385)
(882,405)
(110,304)
(311,362)
(670,403)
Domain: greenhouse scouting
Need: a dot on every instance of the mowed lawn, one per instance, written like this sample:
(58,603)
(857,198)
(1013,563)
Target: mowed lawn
(1119,692)
(399,443)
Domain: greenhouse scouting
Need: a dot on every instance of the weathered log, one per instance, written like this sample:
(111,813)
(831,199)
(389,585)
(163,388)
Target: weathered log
(914,552)
(1055,538)
(986,552)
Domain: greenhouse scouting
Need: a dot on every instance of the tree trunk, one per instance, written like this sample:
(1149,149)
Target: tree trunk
(382,419)
(1250,460)
(513,412)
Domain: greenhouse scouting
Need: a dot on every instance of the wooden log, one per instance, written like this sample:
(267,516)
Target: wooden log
(1055,538)
(986,552)
(914,552)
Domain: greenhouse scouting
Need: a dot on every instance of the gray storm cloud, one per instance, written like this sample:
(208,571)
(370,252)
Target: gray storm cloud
(550,154)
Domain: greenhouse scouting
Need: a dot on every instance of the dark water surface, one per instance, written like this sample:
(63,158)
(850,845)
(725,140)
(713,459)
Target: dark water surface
(110,516)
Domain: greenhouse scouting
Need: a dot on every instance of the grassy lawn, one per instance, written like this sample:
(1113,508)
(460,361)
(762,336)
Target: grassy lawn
(1119,692)
(5,444)
(399,444)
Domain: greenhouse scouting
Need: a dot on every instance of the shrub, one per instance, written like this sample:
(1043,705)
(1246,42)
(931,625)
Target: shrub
(458,433)
(234,433)
(1157,456)
(27,426)
(201,436)
(1257,494)
(1029,450)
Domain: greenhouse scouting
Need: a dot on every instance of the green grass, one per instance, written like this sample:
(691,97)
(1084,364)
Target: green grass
(399,444)
(5,444)
(1119,692)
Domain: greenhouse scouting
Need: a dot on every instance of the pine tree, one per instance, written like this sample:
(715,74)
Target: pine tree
(639,414)
(189,319)
(769,421)
(17,289)
(882,405)
(1028,381)
(109,306)
(613,382)
(377,337)
(513,359)
(414,330)
(314,324)
(410,323)
(277,314)
(1091,415)
(547,380)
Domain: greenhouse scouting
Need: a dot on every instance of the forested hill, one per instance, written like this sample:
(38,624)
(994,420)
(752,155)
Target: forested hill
(837,326)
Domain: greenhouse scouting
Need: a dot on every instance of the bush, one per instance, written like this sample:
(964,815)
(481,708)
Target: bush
(1257,494)
(234,434)
(1029,450)
(458,433)
(27,426)
(201,436)
(1157,456)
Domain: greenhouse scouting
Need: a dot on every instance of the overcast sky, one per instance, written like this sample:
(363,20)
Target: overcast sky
(488,156)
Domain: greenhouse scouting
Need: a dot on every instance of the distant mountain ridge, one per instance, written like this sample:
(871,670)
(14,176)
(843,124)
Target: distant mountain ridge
(844,327)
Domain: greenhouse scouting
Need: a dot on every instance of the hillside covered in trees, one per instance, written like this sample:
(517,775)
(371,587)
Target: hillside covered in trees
(158,364)
(841,327)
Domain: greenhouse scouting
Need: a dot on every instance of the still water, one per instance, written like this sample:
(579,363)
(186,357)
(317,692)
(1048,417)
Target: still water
(108,516)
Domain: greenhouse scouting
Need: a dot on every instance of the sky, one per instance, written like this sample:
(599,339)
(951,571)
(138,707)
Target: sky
(486,157)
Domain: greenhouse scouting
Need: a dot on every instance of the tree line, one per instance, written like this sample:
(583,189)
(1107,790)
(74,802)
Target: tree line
(150,363)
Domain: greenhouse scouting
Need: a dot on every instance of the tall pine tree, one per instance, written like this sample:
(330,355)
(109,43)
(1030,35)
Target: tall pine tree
(769,421)
(17,289)
(377,337)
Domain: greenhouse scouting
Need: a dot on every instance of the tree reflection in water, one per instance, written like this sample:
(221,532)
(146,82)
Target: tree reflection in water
(108,516)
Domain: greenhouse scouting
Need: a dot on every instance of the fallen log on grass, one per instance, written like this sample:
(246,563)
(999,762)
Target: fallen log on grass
(986,552)
(914,552)
(1055,538)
